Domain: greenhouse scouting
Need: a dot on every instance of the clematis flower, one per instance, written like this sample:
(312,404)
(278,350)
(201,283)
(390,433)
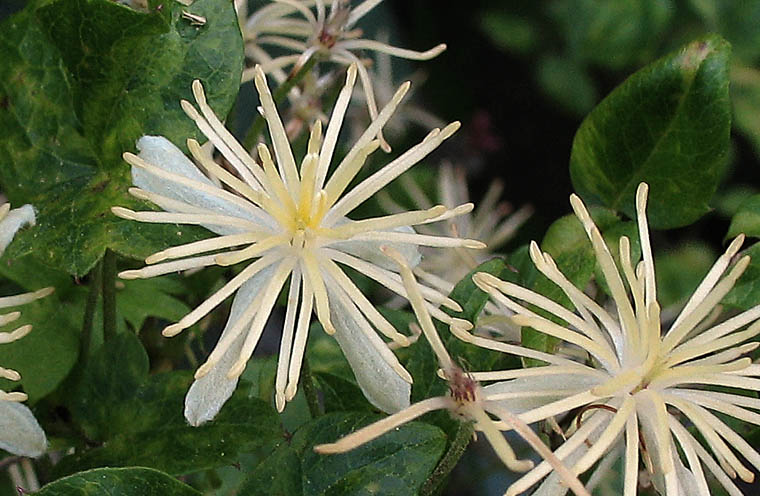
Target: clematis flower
(293,26)
(641,390)
(466,401)
(20,433)
(384,84)
(292,226)
(493,222)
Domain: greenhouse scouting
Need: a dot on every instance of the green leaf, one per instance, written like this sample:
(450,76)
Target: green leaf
(151,430)
(567,81)
(340,394)
(746,292)
(139,299)
(745,94)
(680,271)
(111,377)
(276,475)
(396,463)
(46,355)
(133,481)
(81,81)
(667,125)
(747,219)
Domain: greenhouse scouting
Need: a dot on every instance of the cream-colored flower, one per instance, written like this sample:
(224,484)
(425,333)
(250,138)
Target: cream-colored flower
(306,28)
(384,85)
(19,431)
(493,222)
(293,225)
(466,400)
(639,389)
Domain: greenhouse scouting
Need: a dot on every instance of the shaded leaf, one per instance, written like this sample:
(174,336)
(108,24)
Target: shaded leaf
(340,394)
(152,431)
(139,299)
(567,81)
(747,219)
(610,33)
(746,292)
(111,377)
(276,475)
(667,125)
(396,463)
(133,481)
(80,82)
(679,272)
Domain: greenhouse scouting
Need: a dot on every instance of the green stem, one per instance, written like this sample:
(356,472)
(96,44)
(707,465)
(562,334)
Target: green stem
(96,277)
(448,462)
(307,383)
(258,122)
(109,295)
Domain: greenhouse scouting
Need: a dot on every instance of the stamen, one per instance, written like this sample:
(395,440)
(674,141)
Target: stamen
(333,128)
(215,299)
(377,429)
(395,168)
(24,298)
(259,321)
(168,267)
(276,130)
(418,305)
(313,272)
(252,251)
(286,341)
(204,245)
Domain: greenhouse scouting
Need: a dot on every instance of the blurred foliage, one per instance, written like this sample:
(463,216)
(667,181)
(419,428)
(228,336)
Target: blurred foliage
(81,80)
(576,44)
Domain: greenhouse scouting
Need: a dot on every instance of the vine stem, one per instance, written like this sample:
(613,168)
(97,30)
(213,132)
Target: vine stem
(96,283)
(307,382)
(449,460)
(258,122)
(109,295)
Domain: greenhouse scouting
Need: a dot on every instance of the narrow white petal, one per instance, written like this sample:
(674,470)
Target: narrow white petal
(20,433)
(378,380)
(160,152)
(208,394)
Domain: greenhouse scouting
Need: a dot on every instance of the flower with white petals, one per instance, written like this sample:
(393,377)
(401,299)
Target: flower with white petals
(641,390)
(293,26)
(384,84)
(293,224)
(493,222)
(20,433)
(466,400)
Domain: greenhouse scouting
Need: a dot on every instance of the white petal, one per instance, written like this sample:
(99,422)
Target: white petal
(370,250)
(12,222)
(381,385)
(554,388)
(162,153)
(208,394)
(20,433)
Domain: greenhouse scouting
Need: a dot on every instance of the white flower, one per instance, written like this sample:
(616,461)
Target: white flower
(293,224)
(292,25)
(384,84)
(20,433)
(466,400)
(640,388)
